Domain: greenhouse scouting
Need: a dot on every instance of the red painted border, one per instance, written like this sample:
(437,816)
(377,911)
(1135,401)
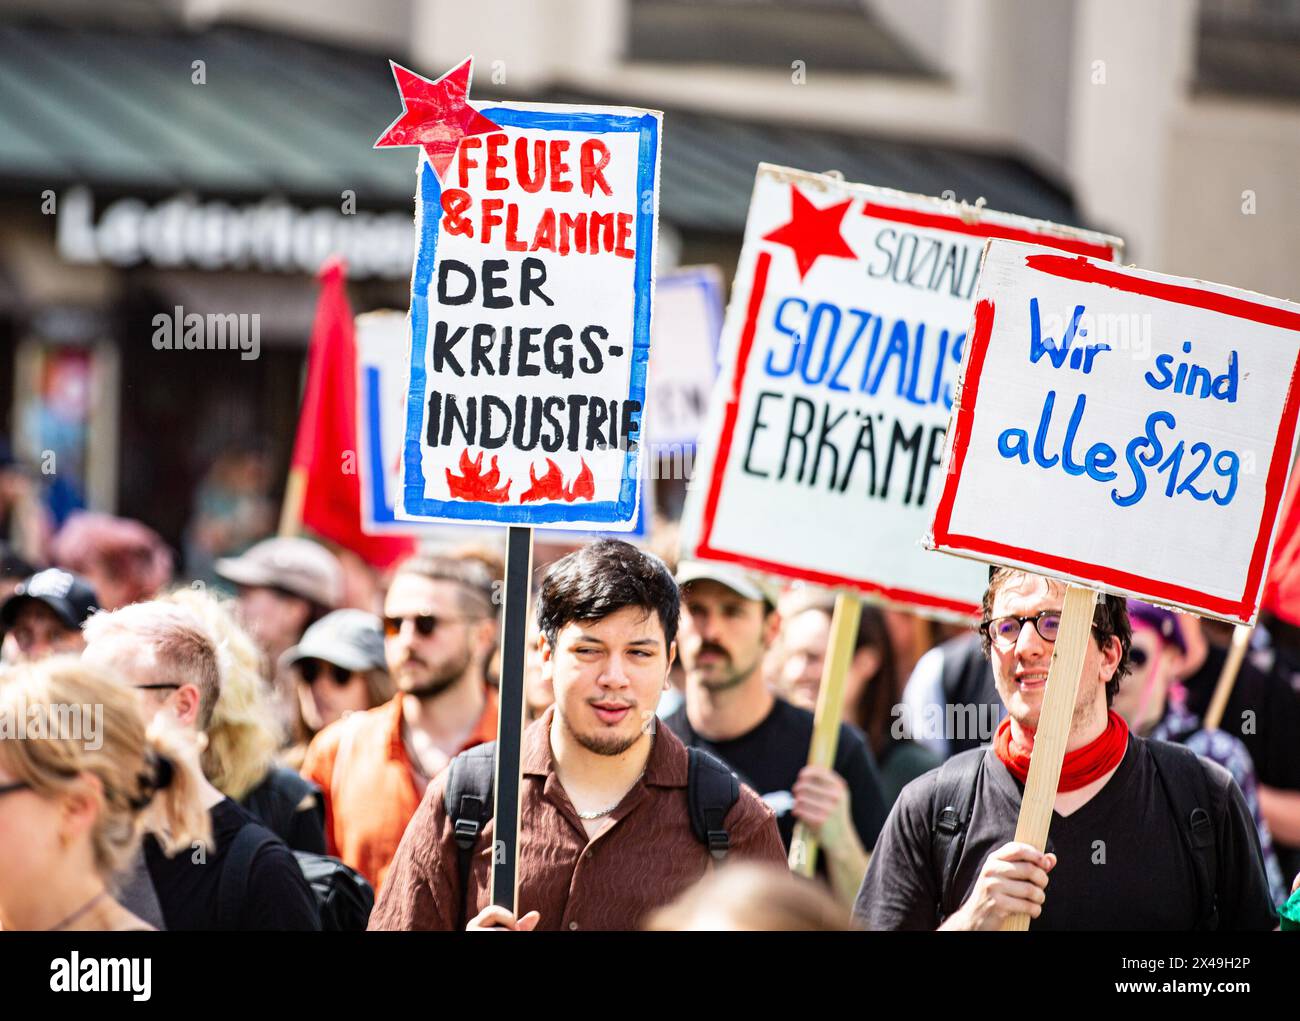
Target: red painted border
(1087,272)
(705,546)
(942,221)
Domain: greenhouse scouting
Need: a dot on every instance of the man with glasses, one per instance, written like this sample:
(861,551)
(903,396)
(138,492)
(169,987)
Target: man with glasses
(1144,835)
(169,657)
(440,630)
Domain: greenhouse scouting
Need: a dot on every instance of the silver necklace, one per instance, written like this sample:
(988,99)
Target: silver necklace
(589,816)
(80,911)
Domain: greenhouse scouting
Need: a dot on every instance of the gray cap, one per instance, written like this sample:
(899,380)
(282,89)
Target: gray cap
(744,584)
(352,639)
(300,566)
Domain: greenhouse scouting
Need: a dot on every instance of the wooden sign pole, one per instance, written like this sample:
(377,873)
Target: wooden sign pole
(1241,635)
(829,712)
(510,719)
(295,489)
(1054,726)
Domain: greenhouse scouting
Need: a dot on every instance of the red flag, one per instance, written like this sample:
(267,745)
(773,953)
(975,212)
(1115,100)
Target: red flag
(325,453)
(1282,584)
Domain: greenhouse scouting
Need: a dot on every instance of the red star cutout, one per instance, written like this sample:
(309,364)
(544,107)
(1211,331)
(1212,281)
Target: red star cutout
(812,232)
(435,115)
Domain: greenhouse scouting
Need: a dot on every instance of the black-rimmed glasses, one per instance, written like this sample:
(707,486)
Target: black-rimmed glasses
(1004,632)
(10,788)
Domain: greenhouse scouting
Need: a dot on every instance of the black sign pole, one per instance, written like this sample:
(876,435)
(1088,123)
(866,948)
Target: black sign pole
(510,725)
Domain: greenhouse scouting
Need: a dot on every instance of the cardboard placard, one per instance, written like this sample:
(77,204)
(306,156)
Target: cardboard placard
(683,354)
(1122,429)
(530,318)
(841,351)
(382,343)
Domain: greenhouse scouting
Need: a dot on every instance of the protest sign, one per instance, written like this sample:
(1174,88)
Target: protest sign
(1122,429)
(382,345)
(530,342)
(530,312)
(841,350)
(684,355)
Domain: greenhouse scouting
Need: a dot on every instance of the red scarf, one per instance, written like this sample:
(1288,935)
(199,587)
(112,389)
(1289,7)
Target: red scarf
(1081,767)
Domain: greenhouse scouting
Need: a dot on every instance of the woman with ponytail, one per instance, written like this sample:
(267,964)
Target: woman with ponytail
(81,781)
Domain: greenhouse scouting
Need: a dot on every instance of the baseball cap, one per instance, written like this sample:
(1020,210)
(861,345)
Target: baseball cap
(299,566)
(1163,622)
(352,639)
(68,595)
(744,584)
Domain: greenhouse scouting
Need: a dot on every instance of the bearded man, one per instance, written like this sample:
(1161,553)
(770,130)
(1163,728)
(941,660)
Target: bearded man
(440,631)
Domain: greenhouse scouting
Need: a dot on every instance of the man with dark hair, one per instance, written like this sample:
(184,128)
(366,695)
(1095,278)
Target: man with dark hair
(373,767)
(1145,835)
(607,832)
(730,623)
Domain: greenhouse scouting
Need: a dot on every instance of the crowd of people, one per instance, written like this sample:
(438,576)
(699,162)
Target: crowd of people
(271,751)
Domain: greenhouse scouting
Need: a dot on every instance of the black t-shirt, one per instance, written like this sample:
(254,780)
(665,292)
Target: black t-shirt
(278,897)
(1122,863)
(1263,711)
(770,756)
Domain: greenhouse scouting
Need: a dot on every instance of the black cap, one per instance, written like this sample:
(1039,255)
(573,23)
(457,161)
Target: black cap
(68,595)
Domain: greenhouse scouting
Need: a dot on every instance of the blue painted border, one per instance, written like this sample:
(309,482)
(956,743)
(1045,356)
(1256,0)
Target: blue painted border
(380,508)
(430,190)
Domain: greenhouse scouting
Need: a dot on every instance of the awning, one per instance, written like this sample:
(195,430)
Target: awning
(118,110)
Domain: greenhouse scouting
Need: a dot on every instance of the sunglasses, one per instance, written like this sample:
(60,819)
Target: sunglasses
(10,788)
(1138,657)
(156,687)
(425,624)
(312,669)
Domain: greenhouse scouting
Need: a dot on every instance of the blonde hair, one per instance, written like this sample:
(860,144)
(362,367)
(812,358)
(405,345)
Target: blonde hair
(243,736)
(180,643)
(146,783)
(745,897)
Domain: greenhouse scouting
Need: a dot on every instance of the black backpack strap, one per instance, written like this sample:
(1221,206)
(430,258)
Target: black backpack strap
(1183,777)
(712,790)
(950,810)
(469,804)
(232,887)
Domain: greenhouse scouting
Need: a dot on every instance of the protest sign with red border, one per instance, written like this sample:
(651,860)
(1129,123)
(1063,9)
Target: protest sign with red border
(848,314)
(1166,480)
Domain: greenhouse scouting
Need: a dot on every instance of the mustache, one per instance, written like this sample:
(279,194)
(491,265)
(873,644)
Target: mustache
(714,648)
(411,657)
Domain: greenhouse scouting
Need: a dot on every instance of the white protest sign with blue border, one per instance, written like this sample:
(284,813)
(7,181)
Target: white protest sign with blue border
(684,355)
(530,319)
(381,341)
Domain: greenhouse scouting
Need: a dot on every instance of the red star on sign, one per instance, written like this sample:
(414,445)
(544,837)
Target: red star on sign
(812,232)
(435,115)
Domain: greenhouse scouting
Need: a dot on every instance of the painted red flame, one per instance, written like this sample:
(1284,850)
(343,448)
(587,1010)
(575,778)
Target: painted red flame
(473,484)
(551,485)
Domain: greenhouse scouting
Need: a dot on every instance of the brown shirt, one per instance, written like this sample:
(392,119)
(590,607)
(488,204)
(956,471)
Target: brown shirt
(642,860)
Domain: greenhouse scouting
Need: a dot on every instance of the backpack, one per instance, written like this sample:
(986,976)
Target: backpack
(343,897)
(1181,775)
(712,789)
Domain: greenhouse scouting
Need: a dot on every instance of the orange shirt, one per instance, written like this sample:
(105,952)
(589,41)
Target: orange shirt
(362,766)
